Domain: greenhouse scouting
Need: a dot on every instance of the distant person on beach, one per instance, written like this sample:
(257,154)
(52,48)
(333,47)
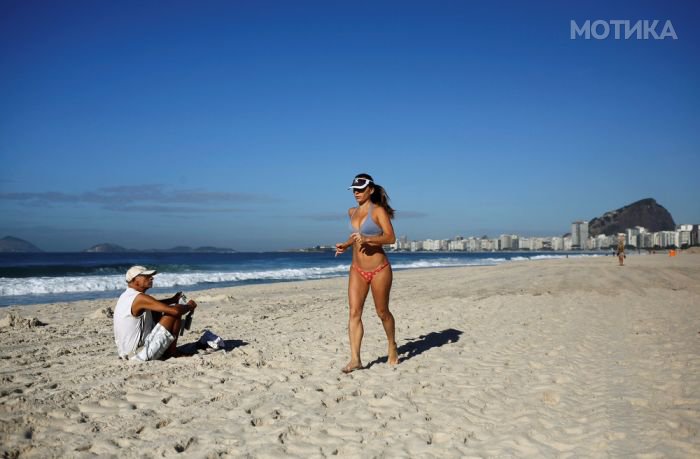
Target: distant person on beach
(146,328)
(621,251)
(370,223)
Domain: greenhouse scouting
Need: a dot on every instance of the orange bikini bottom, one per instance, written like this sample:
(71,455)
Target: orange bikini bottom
(369,275)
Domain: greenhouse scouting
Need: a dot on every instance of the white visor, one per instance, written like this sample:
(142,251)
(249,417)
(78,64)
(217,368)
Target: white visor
(360,183)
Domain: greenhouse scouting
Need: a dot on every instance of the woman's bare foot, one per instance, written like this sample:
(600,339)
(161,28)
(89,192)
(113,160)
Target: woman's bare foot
(350,367)
(393,357)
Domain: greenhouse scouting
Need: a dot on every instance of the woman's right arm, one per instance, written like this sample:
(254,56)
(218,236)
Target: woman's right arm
(341,247)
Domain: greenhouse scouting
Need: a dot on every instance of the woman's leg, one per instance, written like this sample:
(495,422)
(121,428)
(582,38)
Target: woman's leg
(357,293)
(381,288)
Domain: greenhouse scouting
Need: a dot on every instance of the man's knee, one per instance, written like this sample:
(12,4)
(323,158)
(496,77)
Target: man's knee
(170,323)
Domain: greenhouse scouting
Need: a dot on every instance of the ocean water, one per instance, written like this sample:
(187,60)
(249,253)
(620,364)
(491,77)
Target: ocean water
(55,277)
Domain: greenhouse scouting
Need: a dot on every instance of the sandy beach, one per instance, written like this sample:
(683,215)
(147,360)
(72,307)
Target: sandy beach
(554,358)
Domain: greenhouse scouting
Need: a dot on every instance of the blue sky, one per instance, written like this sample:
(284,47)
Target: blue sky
(241,123)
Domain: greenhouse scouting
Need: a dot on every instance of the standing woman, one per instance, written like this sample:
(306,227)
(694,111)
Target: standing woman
(621,250)
(371,227)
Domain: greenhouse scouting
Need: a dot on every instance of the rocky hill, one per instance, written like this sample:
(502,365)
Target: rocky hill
(16,245)
(114,248)
(647,213)
(106,247)
(187,249)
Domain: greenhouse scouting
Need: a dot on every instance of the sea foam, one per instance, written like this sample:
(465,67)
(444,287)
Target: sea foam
(77,284)
(114,282)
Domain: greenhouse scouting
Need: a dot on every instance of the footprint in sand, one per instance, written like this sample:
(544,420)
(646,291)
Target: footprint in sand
(106,407)
(551,398)
(148,399)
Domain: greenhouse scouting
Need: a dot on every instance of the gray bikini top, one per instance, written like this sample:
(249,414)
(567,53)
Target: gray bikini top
(368,227)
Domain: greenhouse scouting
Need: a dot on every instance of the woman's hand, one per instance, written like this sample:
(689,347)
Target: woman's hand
(358,238)
(340,248)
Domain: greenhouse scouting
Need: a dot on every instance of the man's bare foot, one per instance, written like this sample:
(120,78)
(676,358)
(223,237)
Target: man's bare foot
(350,367)
(393,357)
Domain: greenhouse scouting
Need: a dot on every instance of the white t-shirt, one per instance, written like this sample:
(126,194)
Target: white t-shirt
(130,331)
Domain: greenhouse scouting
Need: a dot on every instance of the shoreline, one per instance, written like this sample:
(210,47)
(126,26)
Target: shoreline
(243,276)
(562,357)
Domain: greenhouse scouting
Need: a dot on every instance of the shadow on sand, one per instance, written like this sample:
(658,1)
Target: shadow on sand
(417,346)
(231,344)
(193,348)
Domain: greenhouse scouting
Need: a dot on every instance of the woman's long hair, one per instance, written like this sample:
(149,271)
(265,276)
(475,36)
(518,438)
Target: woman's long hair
(378,196)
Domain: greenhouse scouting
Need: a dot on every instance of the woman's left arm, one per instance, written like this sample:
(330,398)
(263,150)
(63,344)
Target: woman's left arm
(384,222)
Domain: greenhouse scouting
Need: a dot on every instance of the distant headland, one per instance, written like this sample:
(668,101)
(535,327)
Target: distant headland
(114,248)
(11,244)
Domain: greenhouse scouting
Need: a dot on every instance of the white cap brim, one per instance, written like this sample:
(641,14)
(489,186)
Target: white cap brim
(139,271)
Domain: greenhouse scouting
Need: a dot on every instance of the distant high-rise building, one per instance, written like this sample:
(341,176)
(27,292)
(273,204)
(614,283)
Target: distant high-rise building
(664,239)
(402,243)
(602,242)
(536,243)
(557,243)
(524,243)
(579,235)
(460,244)
(567,243)
(506,242)
(416,246)
(633,237)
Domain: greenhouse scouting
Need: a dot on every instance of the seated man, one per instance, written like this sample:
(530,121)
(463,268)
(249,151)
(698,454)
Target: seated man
(136,332)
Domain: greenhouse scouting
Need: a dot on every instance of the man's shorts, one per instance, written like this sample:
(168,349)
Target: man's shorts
(155,344)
